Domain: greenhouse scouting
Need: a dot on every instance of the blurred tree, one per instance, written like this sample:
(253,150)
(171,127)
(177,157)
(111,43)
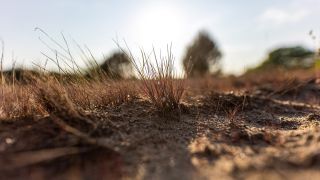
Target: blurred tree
(288,58)
(202,56)
(117,66)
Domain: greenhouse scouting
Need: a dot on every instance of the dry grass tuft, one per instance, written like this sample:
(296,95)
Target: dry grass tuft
(121,92)
(53,97)
(99,94)
(55,100)
(17,102)
(160,83)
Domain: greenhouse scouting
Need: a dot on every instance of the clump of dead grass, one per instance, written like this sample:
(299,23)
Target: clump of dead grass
(19,102)
(55,100)
(16,99)
(160,82)
(100,94)
(53,97)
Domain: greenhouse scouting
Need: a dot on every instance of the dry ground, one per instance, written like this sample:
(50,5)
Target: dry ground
(261,130)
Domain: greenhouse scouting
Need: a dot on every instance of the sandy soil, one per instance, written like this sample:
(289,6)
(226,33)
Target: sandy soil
(271,132)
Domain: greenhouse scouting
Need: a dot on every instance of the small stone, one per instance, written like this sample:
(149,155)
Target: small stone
(9,140)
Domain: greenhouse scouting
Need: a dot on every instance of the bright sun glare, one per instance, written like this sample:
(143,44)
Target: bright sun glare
(159,24)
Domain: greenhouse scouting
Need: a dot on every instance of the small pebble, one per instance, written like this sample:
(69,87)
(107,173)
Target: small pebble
(9,140)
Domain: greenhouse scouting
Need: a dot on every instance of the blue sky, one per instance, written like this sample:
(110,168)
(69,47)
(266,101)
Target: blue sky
(245,31)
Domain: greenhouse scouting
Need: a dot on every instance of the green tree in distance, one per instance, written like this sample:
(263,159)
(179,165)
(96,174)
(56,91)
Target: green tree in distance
(287,58)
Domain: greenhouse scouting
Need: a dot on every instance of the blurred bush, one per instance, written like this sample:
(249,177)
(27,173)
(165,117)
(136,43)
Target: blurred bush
(296,57)
(117,66)
(202,56)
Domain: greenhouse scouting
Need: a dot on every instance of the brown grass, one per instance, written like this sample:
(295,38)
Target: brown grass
(18,102)
(99,94)
(160,83)
(46,94)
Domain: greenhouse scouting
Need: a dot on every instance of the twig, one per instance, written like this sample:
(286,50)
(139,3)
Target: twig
(28,158)
(102,142)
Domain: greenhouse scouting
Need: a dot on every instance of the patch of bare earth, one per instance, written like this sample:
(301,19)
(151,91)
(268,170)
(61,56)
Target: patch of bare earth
(258,135)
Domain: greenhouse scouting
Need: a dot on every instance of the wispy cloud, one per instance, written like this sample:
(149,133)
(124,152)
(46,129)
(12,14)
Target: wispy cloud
(279,16)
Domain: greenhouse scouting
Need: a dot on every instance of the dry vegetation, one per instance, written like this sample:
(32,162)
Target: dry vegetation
(160,82)
(160,126)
